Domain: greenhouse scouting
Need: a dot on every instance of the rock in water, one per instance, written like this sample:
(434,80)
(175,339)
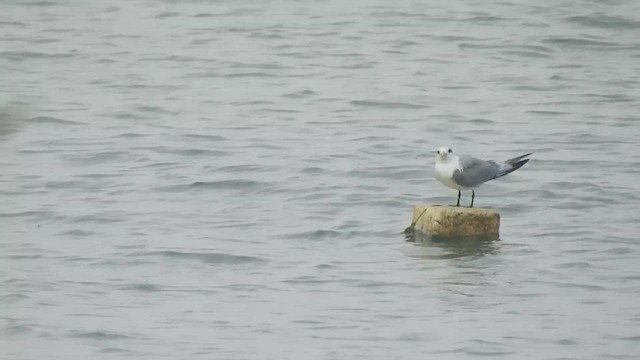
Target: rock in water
(451,221)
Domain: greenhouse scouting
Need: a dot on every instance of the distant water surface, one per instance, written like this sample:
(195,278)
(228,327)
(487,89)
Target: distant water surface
(230,180)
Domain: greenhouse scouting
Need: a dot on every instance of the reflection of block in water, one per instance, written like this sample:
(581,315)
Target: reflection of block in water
(454,247)
(451,221)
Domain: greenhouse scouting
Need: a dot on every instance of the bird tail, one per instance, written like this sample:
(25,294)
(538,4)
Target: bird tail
(514,164)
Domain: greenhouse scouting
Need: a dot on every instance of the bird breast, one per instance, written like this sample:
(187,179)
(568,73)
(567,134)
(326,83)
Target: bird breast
(444,174)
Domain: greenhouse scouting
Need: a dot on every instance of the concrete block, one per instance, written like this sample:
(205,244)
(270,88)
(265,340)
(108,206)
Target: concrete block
(452,221)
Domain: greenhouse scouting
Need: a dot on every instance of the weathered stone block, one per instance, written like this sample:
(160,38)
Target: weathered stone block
(451,221)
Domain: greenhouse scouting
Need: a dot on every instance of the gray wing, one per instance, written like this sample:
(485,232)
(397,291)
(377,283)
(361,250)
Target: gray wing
(475,171)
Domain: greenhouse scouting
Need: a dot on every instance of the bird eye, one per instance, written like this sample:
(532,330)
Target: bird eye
(438,152)
(450,151)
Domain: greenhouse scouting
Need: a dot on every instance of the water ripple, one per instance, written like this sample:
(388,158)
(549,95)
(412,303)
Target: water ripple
(98,335)
(601,20)
(387,104)
(205,257)
(173,167)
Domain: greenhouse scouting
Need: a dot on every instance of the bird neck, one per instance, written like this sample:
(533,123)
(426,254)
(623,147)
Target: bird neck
(450,159)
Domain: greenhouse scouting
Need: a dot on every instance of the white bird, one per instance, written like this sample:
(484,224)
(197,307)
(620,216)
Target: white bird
(467,173)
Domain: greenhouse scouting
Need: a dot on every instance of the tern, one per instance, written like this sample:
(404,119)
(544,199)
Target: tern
(468,173)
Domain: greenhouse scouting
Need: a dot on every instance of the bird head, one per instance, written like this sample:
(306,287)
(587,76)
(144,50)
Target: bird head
(443,152)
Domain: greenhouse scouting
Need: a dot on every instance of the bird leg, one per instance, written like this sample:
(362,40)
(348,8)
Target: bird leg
(473,196)
(458,203)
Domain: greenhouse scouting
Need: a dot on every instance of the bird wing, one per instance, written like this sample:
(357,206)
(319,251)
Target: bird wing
(473,172)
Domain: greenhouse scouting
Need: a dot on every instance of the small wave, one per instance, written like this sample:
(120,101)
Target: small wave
(396,13)
(323,33)
(77,233)
(21,256)
(371,138)
(208,258)
(299,94)
(125,115)
(283,111)
(237,168)
(25,214)
(144,287)
(489,354)
(191,152)
(590,287)
(539,87)
(267,35)
(91,159)
(313,170)
(235,184)
(98,219)
(25,55)
(81,259)
(601,20)
(388,104)
(610,98)
(166,14)
(530,51)
(176,58)
(485,18)
(547,112)
(263,66)
(572,185)
(39,3)
(12,23)
(315,235)
(123,36)
(324,266)
(129,135)
(253,102)
(528,54)
(453,38)
(204,15)
(206,137)
(579,42)
(98,335)
(11,298)
(257,74)
(405,43)
(481,121)
(574,265)
(307,280)
(384,173)
(52,120)
(228,184)
(16,330)
(112,350)
(201,75)
(377,284)
(154,110)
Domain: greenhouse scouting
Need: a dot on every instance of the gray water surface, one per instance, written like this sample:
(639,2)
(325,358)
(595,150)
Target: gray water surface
(230,179)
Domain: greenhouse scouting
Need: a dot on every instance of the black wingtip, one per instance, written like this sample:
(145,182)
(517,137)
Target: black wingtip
(516,163)
(517,159)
